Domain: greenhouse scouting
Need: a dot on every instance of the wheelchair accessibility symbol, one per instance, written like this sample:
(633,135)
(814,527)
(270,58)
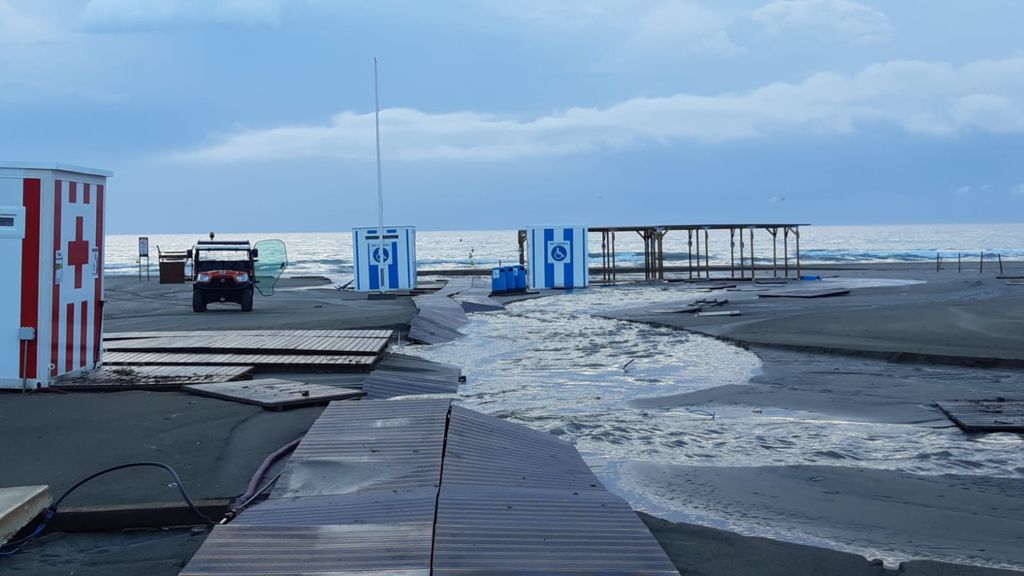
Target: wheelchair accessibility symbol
(381,255)
(558,252)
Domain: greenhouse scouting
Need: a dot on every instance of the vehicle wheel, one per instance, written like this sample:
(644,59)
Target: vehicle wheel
(198,303)
(247,300)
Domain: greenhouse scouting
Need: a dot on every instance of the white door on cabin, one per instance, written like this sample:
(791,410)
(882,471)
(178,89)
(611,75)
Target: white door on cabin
(77,290)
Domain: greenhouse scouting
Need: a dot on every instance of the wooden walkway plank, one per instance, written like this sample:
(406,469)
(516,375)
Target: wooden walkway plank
(364,493)
(274,394)
(115,377)
(999,415)
(339,363)
(239,344)
(361,333)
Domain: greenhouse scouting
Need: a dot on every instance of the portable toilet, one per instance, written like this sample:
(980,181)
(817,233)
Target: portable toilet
(51,293)
(557,257)
(384,258)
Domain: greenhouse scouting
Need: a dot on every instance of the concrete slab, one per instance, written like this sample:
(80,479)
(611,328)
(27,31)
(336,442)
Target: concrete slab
(18,506)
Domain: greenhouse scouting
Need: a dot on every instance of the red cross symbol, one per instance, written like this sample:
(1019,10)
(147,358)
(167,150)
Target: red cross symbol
(78,251)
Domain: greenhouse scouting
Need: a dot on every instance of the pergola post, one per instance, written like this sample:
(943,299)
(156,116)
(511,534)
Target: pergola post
(707,259)
(785,248)
(753,266)
(732,252)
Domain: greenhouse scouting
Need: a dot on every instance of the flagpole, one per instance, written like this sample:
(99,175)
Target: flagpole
(380,184)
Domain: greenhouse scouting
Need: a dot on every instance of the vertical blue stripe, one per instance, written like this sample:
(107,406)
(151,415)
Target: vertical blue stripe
(410,264)
(549,268)
(374,269)
(567,235)
(393,267)
(355,265)
(534,265)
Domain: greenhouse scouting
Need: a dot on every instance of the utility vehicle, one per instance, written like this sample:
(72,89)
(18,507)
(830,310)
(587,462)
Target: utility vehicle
(230,271)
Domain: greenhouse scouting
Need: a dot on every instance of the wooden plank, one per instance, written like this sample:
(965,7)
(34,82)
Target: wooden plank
(274,394)
(999,415)
(368,446)
(283,344)
(115,377)
(363,333)
(340,549)
(331,363)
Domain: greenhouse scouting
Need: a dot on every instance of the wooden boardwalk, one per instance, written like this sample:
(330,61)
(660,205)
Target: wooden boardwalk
(404,487)
(273,393)
(439,317)
(371,333)
(294,362)
(256,350)
(998,415)
(253,344)
(152,377)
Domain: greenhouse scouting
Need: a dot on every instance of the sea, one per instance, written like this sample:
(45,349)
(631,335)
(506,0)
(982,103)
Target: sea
(330,253)
(556,365)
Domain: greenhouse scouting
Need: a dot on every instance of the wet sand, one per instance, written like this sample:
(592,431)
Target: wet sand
(960,318)
(966,519)
(880,354)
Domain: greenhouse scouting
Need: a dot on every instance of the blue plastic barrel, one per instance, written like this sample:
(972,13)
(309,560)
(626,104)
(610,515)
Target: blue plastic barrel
(520,277)
(498,280)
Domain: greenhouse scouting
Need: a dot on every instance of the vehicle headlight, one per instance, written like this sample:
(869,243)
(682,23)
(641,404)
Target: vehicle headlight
(203,277)
(243,278)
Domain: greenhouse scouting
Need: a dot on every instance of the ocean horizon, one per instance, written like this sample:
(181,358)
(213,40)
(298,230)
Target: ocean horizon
(330,253)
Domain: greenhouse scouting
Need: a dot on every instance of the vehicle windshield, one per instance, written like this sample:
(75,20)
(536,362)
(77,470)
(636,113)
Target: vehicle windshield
(270,264)
(232,253)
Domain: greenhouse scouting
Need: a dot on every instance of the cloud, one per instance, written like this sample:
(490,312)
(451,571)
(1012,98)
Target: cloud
(1017,190)
(685,27)
(148,14)
(852,20)
(630,29)
(930,99)
(962,190)
(19,27)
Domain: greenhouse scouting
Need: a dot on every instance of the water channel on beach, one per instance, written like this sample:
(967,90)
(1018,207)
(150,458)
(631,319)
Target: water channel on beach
(553,365)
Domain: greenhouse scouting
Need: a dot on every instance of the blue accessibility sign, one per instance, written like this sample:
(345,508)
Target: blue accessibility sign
(381,255)
(558,252)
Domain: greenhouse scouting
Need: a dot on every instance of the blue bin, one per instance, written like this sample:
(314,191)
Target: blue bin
(510,277)
(520,277)
(498,280)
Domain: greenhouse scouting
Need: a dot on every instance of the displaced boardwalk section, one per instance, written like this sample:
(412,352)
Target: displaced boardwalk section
(423,487)
(998,415)
(171,359)
(442,313)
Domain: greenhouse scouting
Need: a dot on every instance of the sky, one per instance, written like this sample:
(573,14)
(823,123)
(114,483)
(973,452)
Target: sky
(257,115)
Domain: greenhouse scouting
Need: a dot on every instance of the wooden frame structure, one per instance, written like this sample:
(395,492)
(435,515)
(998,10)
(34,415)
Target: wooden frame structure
(653,237)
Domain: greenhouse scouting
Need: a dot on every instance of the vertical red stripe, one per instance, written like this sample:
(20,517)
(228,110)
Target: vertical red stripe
(83,357)
(69,349)
(31,197)
(97,317)
(86,193)
(55,318)
(72,192)
(77,260)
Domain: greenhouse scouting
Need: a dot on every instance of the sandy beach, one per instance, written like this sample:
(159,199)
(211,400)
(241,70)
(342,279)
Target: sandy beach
(964,518)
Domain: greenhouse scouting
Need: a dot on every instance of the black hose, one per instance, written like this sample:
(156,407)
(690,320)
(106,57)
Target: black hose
(52,510)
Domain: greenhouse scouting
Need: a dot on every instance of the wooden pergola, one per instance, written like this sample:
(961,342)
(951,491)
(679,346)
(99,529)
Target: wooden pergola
(654,254)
